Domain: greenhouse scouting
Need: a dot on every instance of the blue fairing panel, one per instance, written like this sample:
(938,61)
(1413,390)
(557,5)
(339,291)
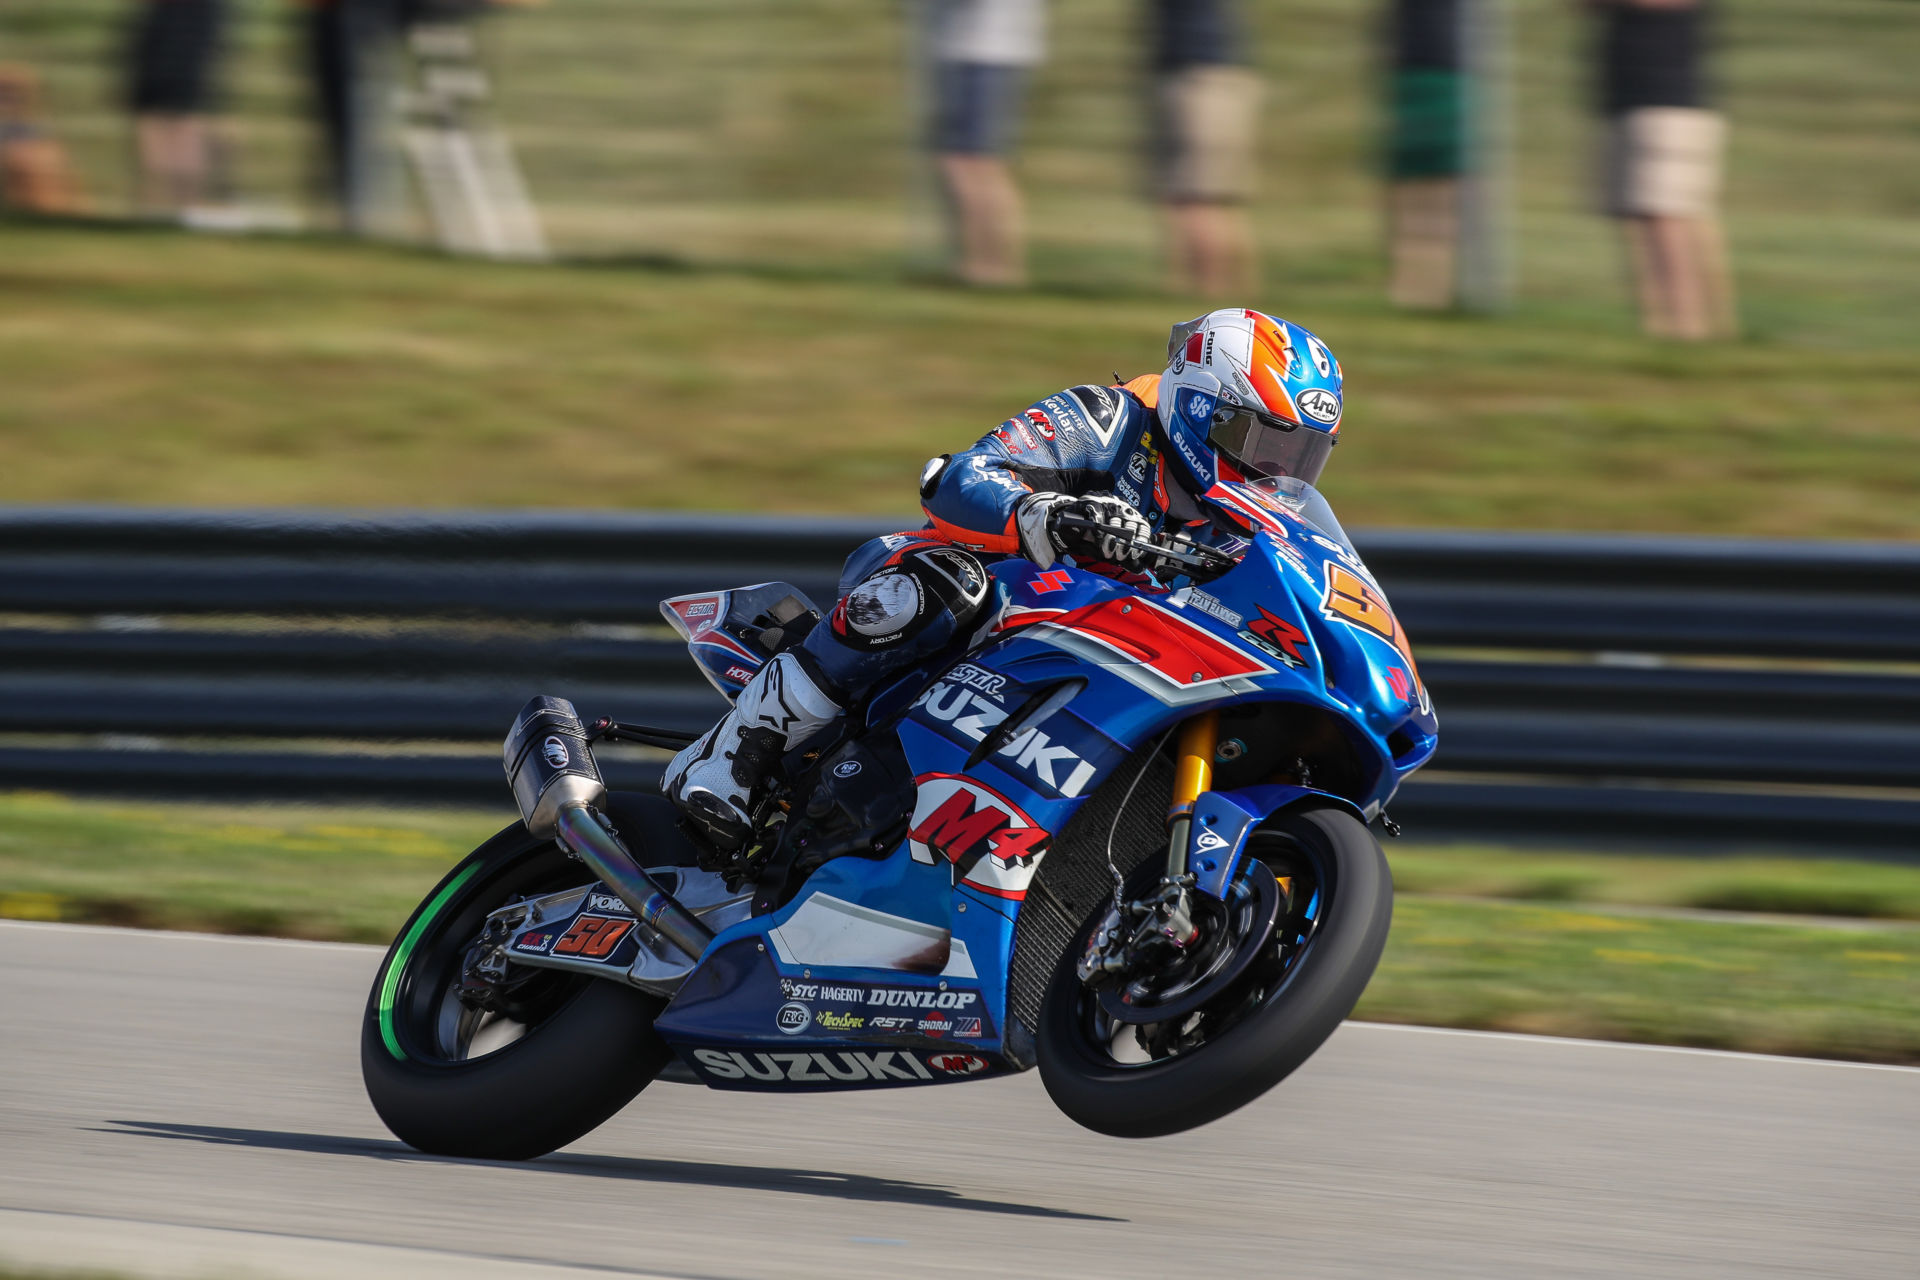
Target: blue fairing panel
(1224,820)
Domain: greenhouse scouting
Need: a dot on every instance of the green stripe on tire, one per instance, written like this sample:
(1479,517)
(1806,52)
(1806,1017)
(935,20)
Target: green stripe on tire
(401,954)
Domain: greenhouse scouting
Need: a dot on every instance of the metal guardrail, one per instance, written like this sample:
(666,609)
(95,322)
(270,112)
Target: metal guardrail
(1640,688)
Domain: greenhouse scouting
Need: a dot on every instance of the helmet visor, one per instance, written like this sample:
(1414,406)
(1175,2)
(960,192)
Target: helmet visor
(1263,446)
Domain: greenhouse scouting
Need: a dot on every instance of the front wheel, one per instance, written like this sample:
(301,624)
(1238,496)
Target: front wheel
(556,1055)
(1141,1080)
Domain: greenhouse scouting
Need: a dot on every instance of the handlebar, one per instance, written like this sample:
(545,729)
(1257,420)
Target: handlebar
(1181,550)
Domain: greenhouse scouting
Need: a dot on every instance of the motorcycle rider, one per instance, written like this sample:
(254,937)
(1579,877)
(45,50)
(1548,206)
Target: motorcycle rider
(1080,475)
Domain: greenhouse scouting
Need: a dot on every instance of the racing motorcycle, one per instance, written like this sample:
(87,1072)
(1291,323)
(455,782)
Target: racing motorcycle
(1124,837)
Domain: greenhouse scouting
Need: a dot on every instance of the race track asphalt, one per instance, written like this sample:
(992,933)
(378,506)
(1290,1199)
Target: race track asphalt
(176,1105)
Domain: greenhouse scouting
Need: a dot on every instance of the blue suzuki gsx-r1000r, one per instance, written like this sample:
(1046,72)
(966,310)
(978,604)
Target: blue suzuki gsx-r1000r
(1124,838)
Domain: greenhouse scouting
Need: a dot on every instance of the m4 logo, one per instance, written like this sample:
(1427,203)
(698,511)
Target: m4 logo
(993,846)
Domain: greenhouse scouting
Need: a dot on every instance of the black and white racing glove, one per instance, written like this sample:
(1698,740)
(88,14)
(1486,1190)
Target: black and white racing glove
(1095,528)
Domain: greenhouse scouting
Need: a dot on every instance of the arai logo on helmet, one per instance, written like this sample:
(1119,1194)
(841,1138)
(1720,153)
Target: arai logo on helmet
(556,752)
(1320,405)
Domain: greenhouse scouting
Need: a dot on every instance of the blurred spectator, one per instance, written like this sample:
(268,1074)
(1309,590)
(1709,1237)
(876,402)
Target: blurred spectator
(982,52)
(335,49)
(1661,173)
(1205,99)
(175,52)
(352,47)
(35,174)
(1426,150)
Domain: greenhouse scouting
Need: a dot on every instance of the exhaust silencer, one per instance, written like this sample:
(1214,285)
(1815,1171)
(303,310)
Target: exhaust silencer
(558,787)
(550,764)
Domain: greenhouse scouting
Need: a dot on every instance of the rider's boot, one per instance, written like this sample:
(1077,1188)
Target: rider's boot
(711,780)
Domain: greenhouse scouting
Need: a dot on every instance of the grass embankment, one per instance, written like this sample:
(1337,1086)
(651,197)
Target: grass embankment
(1812,989)
(152,367)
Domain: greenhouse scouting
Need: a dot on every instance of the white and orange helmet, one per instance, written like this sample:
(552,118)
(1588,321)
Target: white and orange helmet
(1247,396)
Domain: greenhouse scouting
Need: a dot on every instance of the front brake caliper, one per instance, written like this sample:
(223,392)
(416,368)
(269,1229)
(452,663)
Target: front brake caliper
(1141,933)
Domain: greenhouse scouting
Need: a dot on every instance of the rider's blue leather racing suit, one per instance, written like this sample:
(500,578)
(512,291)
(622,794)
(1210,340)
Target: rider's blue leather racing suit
(907,596)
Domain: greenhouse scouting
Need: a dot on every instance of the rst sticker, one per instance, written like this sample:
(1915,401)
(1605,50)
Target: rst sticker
(994,846)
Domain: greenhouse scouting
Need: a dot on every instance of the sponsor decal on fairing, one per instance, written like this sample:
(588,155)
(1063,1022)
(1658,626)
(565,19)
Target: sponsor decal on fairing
(1033,752)
(992,843)
(819,1067)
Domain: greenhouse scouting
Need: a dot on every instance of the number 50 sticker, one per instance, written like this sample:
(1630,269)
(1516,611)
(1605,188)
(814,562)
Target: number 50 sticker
(593,937)
(1354,601)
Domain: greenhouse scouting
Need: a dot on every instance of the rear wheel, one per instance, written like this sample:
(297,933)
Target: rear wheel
(555,1056)
(1296,973)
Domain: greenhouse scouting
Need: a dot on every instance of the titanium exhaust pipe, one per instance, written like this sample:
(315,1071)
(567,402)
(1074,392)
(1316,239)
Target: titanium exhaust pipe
(549,762)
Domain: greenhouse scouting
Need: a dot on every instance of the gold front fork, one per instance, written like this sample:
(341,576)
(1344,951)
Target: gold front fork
(1192,774)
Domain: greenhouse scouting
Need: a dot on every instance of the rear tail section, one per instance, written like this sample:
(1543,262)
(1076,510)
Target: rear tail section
(732,634)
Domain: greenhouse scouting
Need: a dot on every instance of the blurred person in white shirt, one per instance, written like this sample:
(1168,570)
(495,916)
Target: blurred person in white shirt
(1205,107)
(1661,162)
(982,52)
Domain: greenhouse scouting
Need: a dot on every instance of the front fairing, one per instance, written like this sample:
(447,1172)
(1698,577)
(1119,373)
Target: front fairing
(1299,619)
(896,969)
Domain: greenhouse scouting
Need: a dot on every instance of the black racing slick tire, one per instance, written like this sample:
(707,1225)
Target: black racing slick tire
(585,1049)
(1269,1028)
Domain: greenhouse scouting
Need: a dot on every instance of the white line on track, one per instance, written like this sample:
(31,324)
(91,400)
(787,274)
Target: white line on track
(1517,1036)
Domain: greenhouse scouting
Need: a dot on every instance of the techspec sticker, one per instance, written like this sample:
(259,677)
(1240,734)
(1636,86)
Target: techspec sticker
(1194,598)
(993,845)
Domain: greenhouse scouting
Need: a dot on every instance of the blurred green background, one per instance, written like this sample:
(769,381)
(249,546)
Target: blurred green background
(749,319)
